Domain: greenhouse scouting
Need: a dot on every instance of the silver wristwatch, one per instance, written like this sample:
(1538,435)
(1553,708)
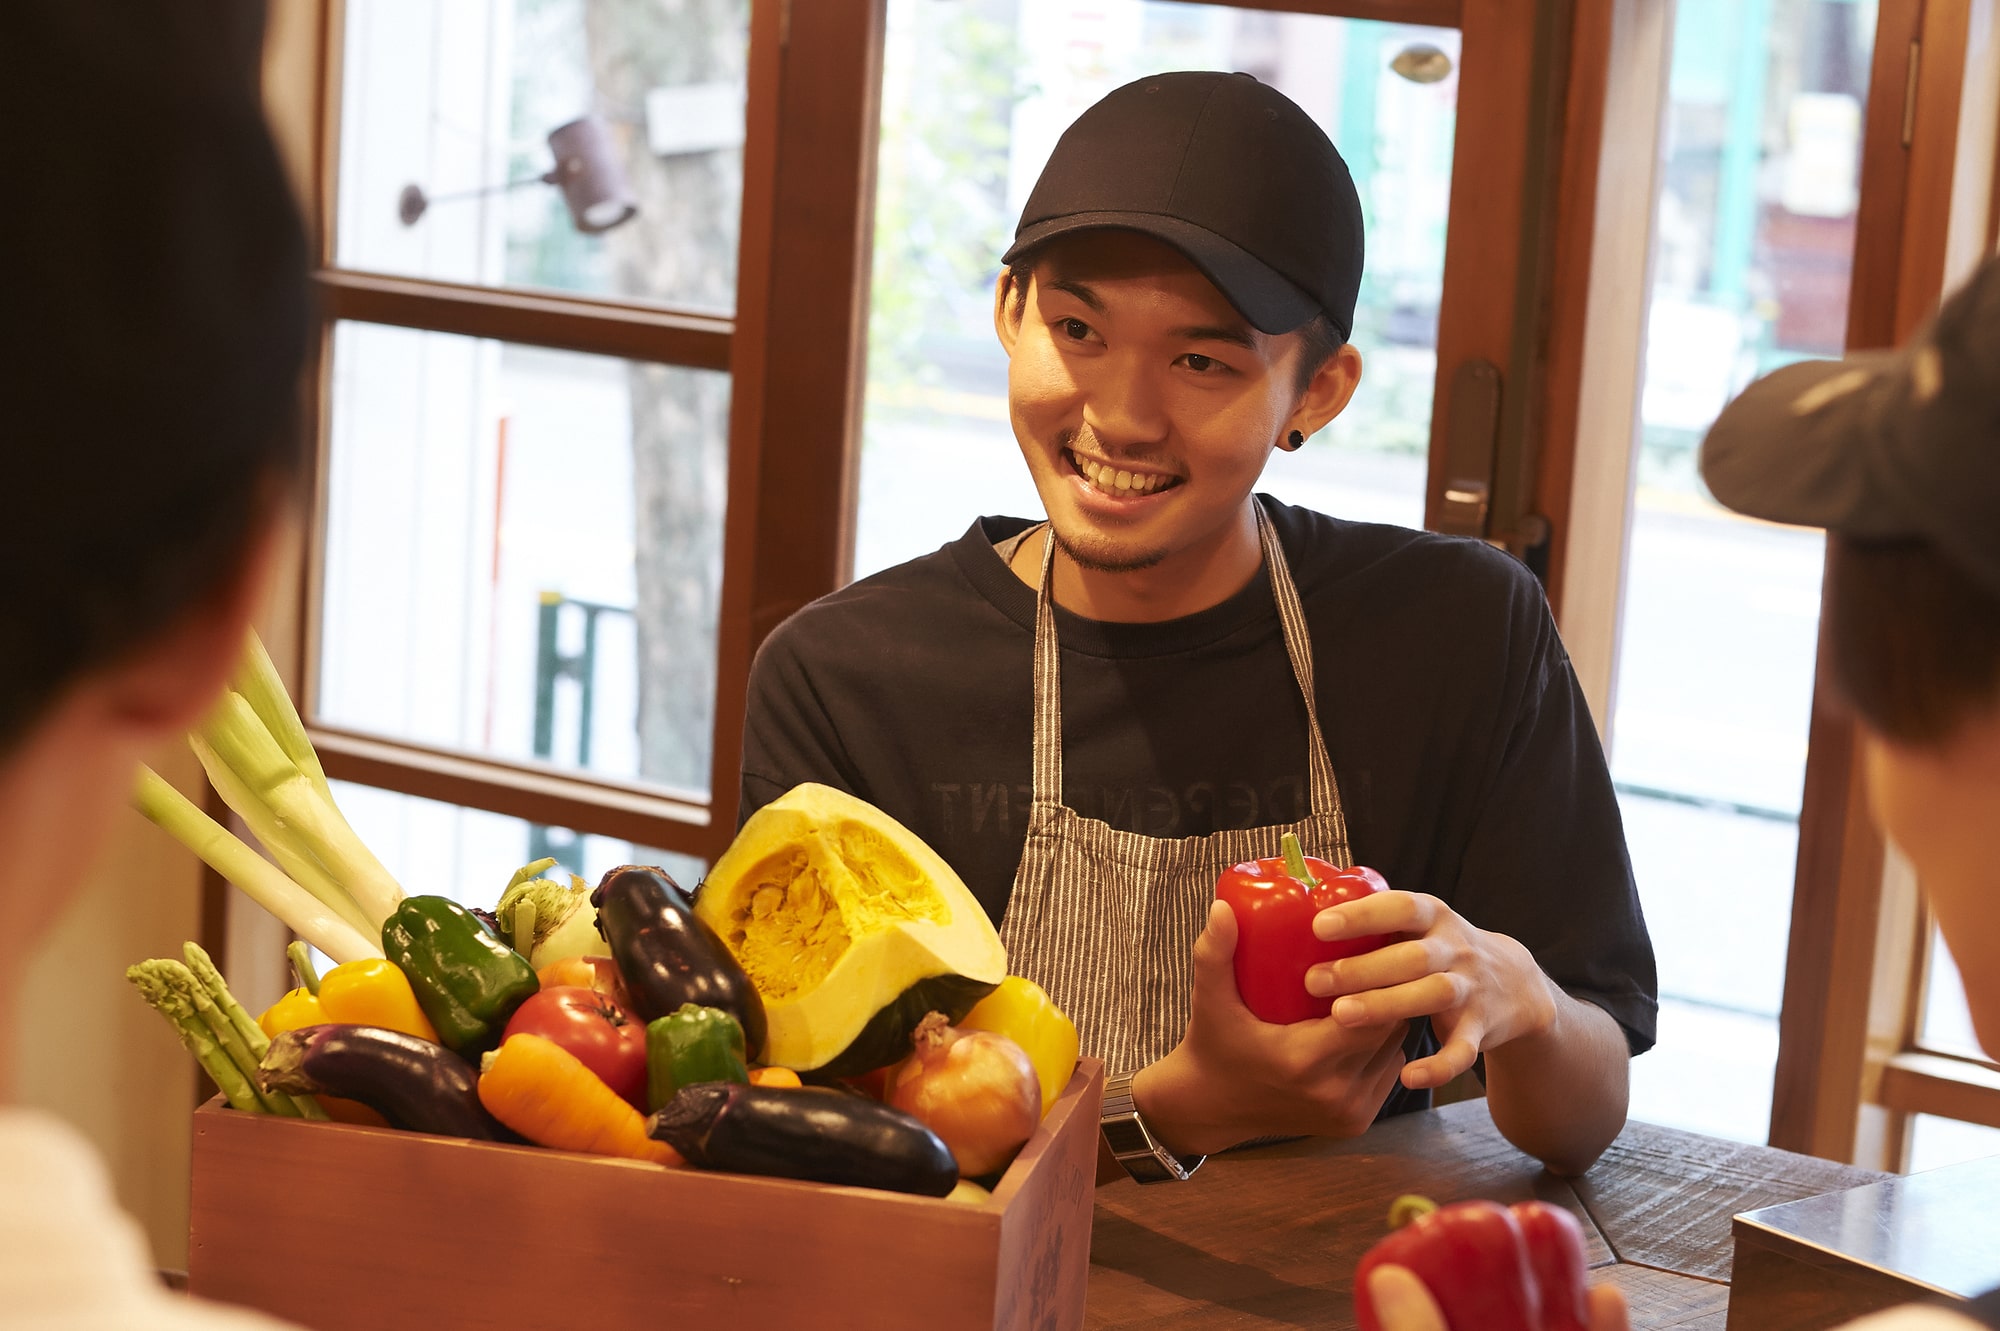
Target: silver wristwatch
(1133,1143)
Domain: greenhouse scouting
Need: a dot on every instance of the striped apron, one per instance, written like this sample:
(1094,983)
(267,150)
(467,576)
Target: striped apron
(1105,920)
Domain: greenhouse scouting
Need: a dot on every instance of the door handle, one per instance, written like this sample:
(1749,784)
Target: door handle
(1472,437)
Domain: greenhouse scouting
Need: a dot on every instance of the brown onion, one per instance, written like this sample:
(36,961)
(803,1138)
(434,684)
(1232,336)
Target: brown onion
(975,1089)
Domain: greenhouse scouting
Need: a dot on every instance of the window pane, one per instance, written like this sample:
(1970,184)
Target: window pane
(458,102)
(524,552)
(1936,1142)
(1947,1024)
(973,100)
(468,855)
(1753,248)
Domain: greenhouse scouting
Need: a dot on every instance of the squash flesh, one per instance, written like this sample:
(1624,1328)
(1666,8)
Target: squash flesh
(843,919)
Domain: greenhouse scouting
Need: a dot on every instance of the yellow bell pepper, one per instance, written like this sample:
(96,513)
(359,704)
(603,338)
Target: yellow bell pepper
(297,1008)
(373,992)
(1023,1012)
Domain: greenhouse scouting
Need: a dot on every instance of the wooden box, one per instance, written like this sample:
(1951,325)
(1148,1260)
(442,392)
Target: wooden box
(334,1226)
(1822,1261)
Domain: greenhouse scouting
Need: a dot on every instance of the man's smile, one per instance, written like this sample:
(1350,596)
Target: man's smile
(1118,482)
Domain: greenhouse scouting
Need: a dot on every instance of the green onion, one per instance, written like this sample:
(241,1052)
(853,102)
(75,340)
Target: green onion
(278,792)
(307,916)
(272,833)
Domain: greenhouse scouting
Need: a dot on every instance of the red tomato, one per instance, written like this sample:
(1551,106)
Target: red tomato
(599,973)
(606,1037)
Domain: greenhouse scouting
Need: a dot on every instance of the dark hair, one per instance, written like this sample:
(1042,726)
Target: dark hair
(155,319)
(1912,644)
(1318,340)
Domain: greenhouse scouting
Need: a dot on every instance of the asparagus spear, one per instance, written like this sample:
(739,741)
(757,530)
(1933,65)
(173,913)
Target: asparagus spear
(255,1042)
(239,1090)
(182,979)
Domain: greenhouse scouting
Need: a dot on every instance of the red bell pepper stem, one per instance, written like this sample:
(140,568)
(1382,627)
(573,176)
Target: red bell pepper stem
(1295,860)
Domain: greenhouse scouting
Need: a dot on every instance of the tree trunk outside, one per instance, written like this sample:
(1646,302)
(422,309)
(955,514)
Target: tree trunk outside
(681,248)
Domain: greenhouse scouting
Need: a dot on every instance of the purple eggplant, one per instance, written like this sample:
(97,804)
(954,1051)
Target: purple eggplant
(418,1086)
(814,1134)
(668,955)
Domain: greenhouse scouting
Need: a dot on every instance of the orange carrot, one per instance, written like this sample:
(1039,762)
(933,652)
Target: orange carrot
(545,1093)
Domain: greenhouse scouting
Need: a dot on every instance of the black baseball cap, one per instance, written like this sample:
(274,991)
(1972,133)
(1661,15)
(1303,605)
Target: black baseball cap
(1227,170)
(1881,445)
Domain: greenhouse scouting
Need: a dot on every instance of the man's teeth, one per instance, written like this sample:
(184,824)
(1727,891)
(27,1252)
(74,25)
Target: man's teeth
(1113,481)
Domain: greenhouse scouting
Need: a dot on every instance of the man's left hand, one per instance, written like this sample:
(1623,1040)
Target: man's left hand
(1481,990)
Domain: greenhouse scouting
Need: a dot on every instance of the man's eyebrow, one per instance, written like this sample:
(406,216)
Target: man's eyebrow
(1234,334)
(1077,289)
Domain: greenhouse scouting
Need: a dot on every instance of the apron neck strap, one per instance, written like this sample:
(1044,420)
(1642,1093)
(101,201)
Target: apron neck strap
(1325,792)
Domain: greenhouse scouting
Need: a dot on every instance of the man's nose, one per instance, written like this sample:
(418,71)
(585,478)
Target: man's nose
(1125,407)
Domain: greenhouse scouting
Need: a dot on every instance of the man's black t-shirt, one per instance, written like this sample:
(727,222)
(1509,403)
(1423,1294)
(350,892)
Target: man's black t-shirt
(1467,764)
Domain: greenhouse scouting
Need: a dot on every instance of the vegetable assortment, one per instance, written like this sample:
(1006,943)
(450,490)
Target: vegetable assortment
(631,1019)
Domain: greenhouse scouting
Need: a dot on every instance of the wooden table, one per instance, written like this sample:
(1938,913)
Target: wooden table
(1269,1237)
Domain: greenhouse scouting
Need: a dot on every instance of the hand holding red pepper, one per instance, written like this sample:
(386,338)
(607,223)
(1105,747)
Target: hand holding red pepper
(1233,1077)
(1481,990)
(1481,1266)
(1275,901)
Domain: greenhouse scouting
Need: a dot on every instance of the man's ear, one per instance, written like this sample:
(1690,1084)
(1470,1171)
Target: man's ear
(169,683)
(1009,304)
(1331,389)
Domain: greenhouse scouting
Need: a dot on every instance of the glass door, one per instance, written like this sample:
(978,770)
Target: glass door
(1753,248)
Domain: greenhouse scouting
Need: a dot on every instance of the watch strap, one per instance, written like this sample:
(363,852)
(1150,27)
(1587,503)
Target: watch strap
(1133,1143)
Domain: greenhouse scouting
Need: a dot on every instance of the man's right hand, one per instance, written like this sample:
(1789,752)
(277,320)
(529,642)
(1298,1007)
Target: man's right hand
(1233,1077)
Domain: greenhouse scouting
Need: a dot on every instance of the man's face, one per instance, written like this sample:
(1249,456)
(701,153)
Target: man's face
(1938,804)
(1144,403)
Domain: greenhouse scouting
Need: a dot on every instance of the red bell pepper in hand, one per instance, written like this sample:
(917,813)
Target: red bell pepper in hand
(1275,901)
(1489,1267)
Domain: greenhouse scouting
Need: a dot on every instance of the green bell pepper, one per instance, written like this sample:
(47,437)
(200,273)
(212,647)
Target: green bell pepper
(692,1044)
(467,981)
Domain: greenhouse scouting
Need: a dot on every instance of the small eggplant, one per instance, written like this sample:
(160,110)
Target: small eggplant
(806,1133)
(418,1086)
(668,955)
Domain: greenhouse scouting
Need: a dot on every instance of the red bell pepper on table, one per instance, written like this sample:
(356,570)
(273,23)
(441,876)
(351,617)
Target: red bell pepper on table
(1489,1267)
(1275,900)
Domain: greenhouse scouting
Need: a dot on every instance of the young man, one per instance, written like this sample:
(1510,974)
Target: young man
(1091,718)
(155,320)
(1897,455)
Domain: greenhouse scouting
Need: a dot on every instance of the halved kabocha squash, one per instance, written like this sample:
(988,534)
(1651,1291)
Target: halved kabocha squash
(850,927)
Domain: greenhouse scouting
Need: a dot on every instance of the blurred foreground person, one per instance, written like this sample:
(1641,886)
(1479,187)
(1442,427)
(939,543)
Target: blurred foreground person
(1897,455)
(154,320)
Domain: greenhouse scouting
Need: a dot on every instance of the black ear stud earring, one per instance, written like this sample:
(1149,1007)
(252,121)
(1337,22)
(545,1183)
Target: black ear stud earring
(1294,441)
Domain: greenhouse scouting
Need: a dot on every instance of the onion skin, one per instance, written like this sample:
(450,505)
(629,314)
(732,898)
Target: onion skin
(975,1089)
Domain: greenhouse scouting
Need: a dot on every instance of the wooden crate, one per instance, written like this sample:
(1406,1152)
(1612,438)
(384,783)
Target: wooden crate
(335,1226)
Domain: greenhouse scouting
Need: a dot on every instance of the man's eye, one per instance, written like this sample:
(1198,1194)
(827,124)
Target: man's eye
(1075,329)
(1199,363)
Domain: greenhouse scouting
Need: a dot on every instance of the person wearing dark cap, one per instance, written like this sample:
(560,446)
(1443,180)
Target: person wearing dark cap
(1897,455)
(1091,717)
(155,322)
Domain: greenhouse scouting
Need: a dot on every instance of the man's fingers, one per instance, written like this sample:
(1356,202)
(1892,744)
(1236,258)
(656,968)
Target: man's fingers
(1607,1309)
(1379,913)
(1216,944)
(1214,962)
(1455,1058)
(1440,991)
(1402,1303)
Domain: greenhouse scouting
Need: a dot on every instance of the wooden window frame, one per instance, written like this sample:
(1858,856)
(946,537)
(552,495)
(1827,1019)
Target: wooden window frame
(807,191)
